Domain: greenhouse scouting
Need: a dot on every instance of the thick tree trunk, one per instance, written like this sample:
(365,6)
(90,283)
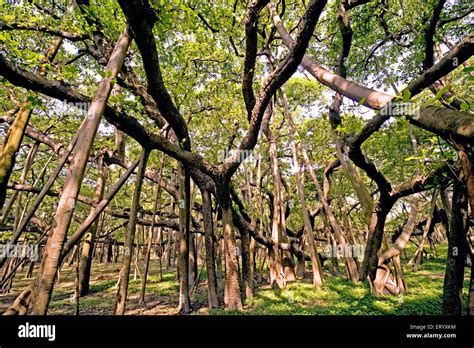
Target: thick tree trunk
(374,239)
(129,239)
(54,245)
(219,253)
(247,278)
(232,297)
(365,199)
(468,170)
(277,275)
(213,299)
(454,275)
(394,254)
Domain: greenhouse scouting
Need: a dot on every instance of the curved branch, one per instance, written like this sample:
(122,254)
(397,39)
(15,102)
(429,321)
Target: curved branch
(44,29)
(129,125)
(430,33)
(141,18)
(251,19)
(276,79)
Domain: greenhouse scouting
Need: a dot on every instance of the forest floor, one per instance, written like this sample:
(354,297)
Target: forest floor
(339,296)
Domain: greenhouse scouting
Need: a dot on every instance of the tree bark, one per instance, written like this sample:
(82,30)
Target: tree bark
(454,275)
(315,262)
(156,208)
(17,195)
(277,271)
(17,130)
(89,239)
(470,298)
(10,147)
(374,239)
(54,245)
(232,297)
(124,275)
(213,299)
(394,253)
(44,191)
(99,208)
(418,256)
(365,199)
(183,239)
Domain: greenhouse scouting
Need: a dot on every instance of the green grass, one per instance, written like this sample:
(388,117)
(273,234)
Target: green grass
(342,297)
(102,294)
(338,297)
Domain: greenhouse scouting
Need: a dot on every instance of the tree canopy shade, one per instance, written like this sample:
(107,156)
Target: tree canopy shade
(235,144)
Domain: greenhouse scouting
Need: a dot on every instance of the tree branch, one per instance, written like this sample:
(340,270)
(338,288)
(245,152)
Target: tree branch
(44,29)
(129,125)
(274,81)
(251,20)
(141,18)
(429,35)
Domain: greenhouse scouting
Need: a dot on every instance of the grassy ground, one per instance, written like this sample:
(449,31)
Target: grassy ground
(340,296)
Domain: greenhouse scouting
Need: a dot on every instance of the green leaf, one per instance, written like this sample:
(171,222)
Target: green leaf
(406,95)
(413,158)
(341,129)
(441,92)
(8,18)
(362,101)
